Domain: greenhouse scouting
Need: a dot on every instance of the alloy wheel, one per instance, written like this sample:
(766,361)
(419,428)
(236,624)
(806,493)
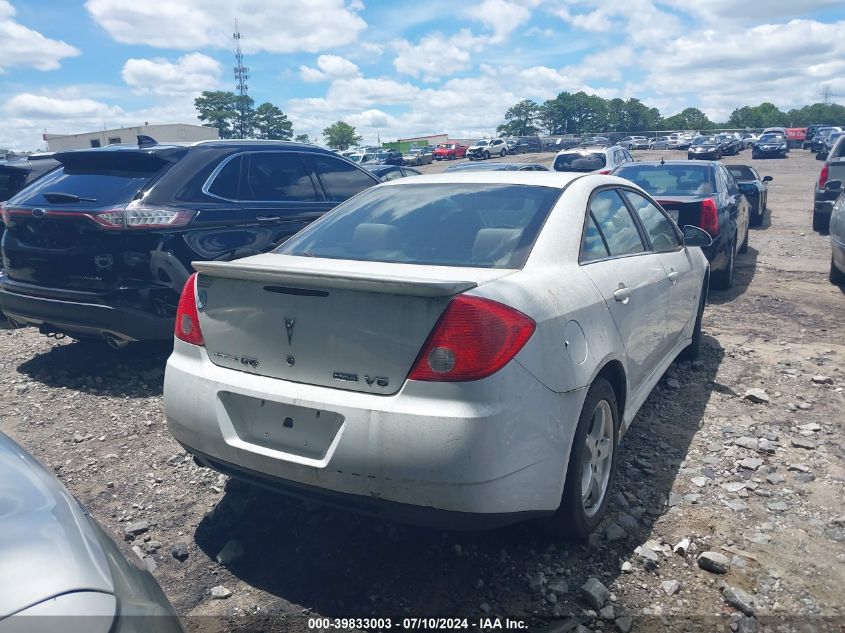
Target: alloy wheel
(598,459)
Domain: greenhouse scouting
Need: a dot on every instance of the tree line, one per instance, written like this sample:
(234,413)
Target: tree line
(580,113)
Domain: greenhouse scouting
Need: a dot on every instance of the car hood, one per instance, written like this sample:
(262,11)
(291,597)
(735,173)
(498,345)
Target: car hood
(478,147)
(48,546)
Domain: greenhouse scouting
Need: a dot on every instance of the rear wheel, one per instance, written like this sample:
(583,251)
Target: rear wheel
(502,154)
(821,222)
(592,463)
(744,246)
(836,276)
(486,155)
(722,279)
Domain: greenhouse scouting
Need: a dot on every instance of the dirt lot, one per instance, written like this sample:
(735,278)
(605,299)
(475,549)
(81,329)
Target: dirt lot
(759,483)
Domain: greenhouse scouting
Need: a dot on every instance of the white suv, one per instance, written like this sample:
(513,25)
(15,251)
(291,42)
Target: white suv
(485,148)
(599,160)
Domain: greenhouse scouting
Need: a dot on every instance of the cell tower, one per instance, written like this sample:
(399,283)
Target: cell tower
(827,95)
(241,76)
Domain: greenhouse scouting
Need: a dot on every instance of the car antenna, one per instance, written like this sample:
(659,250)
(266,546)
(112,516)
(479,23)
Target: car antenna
(146,141)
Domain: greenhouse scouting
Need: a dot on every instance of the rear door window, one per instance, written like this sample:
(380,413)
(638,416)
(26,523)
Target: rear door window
(11,181)
(226,183)
(341,180)
(277,177)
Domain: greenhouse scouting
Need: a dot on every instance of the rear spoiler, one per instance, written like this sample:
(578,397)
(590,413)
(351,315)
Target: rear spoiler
(345,280)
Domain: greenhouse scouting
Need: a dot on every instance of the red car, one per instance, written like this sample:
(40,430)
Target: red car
(450,151)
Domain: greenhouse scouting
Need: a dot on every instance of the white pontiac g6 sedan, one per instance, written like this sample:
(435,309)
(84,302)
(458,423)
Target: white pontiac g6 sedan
(457,349)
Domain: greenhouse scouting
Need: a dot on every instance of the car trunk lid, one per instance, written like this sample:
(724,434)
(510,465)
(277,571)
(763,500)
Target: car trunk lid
(683,209)
(336,323)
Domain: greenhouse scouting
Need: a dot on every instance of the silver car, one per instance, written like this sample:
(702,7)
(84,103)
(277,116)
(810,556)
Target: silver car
(451,349)
(418,156)
(58,569)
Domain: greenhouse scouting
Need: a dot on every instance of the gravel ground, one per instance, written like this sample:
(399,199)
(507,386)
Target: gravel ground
(755,480)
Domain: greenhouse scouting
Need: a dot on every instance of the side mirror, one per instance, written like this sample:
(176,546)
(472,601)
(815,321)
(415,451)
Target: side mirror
(694,236)
(833,185)
(767,179)
(821,155)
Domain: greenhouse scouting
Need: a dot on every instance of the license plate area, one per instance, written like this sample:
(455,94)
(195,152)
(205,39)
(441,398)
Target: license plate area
(287,428)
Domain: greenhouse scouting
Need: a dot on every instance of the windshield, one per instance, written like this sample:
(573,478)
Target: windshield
(477,225)
(355,158)
(447,146)
(705,140)
(741,172)
(772,138)
(580,161)
(481,143)
(670,180)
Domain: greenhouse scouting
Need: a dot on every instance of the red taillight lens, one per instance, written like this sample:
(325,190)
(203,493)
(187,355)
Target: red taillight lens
(187,326)
(709,220)
(473,339)
(823,176)
(604,171)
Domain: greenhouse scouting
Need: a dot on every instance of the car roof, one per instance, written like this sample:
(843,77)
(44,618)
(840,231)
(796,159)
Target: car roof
(556,179)
(675,163)
(586,148)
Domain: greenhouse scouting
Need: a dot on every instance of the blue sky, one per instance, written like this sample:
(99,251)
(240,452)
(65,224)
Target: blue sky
(396,68)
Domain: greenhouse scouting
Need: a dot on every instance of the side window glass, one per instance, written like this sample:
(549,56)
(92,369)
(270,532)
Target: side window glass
(659,228)
(616,224)
(340,179)
(278,177)
(392,175)
(593,246)
(225,184)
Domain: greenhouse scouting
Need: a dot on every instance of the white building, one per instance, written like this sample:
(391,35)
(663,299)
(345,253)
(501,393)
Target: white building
(165,133)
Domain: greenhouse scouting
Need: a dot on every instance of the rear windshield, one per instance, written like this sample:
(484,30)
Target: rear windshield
(105,178)
(584,161)
(476,225)
(11,181)
(741,172)
(670,180)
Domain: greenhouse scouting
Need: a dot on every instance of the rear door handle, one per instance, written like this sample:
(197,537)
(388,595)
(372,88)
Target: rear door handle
(266,219)
(623,293)
(673,276)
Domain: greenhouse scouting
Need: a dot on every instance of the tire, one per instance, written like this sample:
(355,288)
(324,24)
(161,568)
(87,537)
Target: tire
(744,246)
(576,516)
(486,155)
(821,222)
(693,350)
(502,154)
(836,276)
(722,279)
(756,218)
(451,157)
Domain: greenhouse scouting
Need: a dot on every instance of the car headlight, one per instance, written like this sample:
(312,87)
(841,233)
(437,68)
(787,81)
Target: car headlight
(783,146)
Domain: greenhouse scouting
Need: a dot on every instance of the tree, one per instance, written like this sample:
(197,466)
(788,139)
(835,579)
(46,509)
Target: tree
(763,115)
(302,138)
(271,123)
(688,119)
(521,119)
(245,119)
(340,135)
(217,109)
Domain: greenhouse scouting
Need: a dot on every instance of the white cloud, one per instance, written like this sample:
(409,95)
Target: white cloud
(502,16)
(191,74)
(21,46)
(329,67)
(435,55)
(280,26)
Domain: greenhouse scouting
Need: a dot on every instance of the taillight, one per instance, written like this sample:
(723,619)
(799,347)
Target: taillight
(823,176)
(136,216)
(604,171)
(187,326)
(709,220)
(473,339)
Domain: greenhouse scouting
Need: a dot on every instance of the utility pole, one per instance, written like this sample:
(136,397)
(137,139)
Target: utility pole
(241,76)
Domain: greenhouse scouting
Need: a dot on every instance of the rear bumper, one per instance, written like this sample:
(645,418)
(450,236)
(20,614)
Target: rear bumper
(433,452)
(81,318)
(824,200)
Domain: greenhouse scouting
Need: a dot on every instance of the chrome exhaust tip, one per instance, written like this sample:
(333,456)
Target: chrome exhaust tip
(115,343)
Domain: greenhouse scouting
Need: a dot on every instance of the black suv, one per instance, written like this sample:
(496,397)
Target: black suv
(101,246)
